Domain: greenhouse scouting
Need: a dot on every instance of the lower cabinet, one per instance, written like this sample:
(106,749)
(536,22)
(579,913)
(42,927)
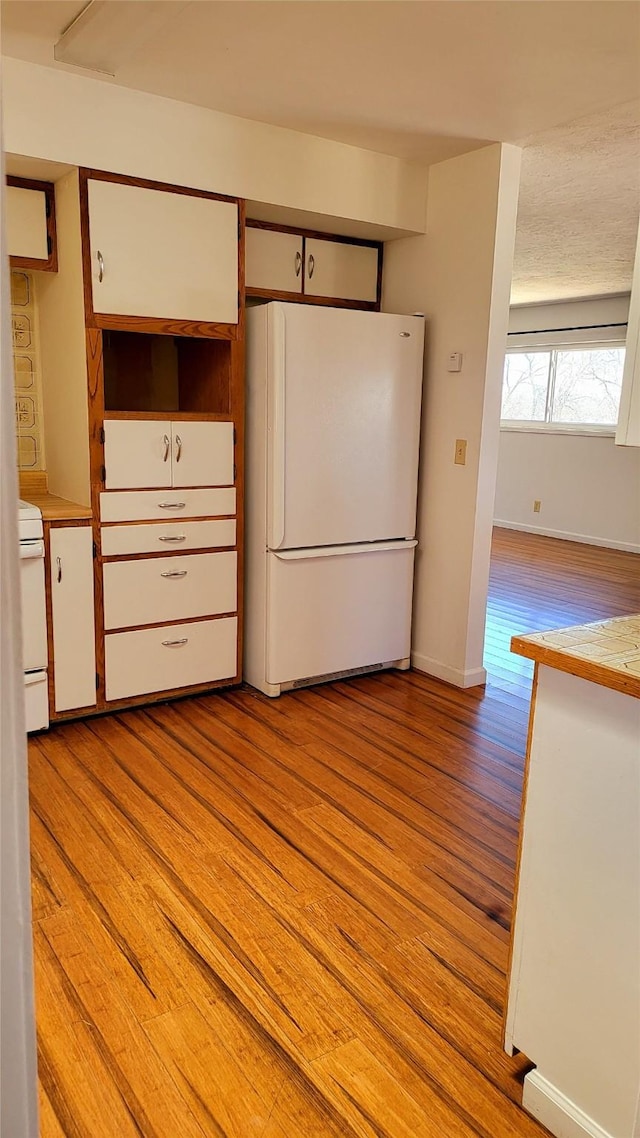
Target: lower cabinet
(72,612)
(156,590)
(170,572)
(172,656)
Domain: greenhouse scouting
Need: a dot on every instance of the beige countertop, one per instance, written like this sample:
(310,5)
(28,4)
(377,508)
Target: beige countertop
(606,652)
(34,489)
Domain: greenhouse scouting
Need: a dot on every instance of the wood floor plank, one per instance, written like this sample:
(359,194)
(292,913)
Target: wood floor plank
(289,918)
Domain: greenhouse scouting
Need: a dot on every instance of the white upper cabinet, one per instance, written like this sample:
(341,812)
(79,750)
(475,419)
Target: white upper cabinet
(311,267)
(144,453)
(27,223)
(335,268)
(274,260)
(163,255)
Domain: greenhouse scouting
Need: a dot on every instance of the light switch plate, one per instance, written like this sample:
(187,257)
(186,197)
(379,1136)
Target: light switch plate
(455,361)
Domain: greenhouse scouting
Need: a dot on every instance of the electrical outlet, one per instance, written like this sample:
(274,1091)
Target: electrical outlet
(536,506)
(460,458)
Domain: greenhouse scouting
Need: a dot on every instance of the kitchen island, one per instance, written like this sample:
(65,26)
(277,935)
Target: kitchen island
(574,980)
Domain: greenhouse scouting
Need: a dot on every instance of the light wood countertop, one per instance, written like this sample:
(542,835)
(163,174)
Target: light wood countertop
(34,489)
(606,652)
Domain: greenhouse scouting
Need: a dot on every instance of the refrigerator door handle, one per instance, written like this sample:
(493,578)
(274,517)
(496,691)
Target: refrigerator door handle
(278,381)
(341,550)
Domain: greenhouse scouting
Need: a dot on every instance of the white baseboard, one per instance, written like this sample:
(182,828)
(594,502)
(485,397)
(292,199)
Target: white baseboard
(557,1112)
(564,535)
(456,676)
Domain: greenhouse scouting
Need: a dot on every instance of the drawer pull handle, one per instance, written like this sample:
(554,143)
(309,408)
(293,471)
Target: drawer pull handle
(175,643)
(179,446)
(298,263)
(167,447)
(312,264)
(172,505)
(59,564)
(178,537)
(100,260)
(175,573)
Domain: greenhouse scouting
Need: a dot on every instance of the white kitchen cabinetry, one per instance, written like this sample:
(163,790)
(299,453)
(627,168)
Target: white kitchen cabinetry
(299,264)
(173,656)
(26,223)
(273,260)
(335,268)
(155,590)
(157,253)
(159,453)
(170,537)
(72,607)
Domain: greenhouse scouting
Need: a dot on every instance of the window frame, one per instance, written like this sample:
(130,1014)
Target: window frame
(548,426)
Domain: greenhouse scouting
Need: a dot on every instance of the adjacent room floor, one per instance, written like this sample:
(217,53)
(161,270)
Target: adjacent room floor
(290,918)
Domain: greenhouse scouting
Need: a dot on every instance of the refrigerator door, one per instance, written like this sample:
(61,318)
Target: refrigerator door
(344,395)
(336,609)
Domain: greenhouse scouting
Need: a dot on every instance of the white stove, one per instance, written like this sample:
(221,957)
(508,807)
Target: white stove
(34,616)
(29,521)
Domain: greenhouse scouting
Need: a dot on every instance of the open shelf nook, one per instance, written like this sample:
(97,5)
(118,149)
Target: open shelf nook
(166,374)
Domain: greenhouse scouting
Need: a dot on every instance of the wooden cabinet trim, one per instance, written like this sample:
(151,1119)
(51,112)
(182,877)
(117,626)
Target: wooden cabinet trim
(150,184)
(314,233)
(305,298)
(50,264)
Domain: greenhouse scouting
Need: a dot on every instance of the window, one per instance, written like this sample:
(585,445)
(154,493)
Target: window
(566,387)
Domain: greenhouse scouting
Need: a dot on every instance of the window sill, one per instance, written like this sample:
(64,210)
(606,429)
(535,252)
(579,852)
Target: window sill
(557,429)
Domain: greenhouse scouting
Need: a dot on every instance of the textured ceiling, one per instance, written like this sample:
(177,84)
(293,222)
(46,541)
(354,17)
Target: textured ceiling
(424,81)
(578,209)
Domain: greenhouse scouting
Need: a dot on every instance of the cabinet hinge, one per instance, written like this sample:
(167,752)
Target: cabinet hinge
(97,680)
(103,474)
(101,434)
(235,436)
(95,550)
(49,245)
(235,472)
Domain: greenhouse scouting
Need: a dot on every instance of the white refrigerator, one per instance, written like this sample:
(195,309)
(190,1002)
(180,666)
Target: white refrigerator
(333,429)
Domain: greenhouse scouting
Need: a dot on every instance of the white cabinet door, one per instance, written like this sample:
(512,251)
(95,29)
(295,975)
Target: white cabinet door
(161,254)
(202,454)
(26,223)
(334,268)
(137,453)
(74,657)
(273,260)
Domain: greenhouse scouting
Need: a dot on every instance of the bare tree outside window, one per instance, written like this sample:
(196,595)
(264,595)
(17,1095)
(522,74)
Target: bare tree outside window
(587,386)
(579,386)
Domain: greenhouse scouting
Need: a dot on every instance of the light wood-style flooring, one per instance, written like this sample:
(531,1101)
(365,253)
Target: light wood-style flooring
(289,918)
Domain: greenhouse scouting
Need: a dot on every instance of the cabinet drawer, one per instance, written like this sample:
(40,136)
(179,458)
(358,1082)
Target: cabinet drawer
(175,656)
(159,537)
(149,505)
(168,588)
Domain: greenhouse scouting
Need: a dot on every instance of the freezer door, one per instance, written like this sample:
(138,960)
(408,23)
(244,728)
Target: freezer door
(334,609)
(344,395)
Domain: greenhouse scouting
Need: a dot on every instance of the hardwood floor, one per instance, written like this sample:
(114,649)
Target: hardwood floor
(289,918)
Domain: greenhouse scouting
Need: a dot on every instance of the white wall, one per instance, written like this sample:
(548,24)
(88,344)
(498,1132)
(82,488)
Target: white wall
(18,1101)
(459,275)
(65,117)
(589,487)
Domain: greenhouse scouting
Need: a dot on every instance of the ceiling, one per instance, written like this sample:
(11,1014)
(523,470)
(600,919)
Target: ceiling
(423,81)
